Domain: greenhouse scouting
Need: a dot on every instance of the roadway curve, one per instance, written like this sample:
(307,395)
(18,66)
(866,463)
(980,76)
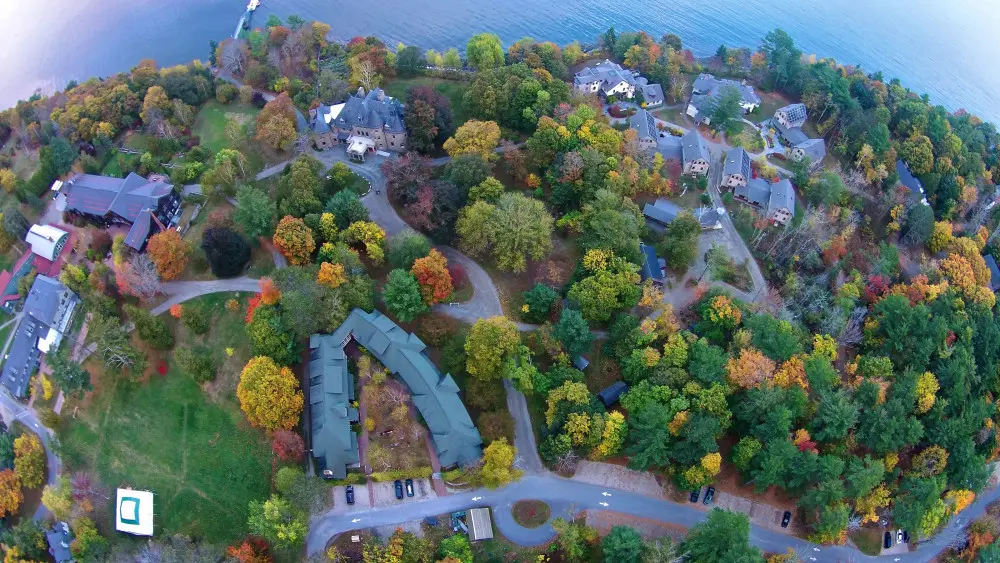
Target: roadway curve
(564,495)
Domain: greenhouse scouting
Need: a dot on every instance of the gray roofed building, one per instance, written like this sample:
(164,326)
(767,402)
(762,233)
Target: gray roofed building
(781,201)
(606,78)
(59,540)
(47,313)
(790,135)
(695,154)
(374,116)
(612,393)
(707,88)
(331,392)
(652,265)
(116,200)
(663,211)
(455,438)
(991,263)
(815,149)
(736,168)
(757,191)
(652,94)
(644,123)
(480,524)
(708,217)
(672,148)
(792,115)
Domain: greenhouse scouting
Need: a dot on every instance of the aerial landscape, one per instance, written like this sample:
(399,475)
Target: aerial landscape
(330,298)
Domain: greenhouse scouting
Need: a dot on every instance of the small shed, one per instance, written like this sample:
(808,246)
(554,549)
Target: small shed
(611,394)
(480,524)
(581,363)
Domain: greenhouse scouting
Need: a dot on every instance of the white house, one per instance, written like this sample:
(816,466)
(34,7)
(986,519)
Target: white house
(605,79)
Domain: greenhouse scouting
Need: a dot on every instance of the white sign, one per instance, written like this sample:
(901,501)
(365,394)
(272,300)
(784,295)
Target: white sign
(134,512)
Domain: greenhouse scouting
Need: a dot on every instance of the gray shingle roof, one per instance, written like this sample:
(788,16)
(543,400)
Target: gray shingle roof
(672,148)
(644,123)
(610,74)
(651,267)
(737,162)
(612,393)
(98,195)
(139,232)
(694,147)
(796,114)
(653,94)
(757,191)
(374,110)
(991,263)
(908,179)
(662,211)
(794,135)
(815,149)
(707,87)
(331,390)
(455,437)
(782,196)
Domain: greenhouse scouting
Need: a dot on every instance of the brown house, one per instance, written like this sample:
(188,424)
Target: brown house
(365,122)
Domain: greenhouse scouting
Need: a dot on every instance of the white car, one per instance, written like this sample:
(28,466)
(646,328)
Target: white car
(899,536)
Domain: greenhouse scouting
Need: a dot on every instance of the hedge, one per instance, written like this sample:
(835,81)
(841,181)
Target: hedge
(415,473)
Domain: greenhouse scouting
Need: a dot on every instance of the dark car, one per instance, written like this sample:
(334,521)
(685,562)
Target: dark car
(709,495)
(695,494)
(349,492)
(409,487)
(785,519)
(887,542)
(399,489)
(906,536)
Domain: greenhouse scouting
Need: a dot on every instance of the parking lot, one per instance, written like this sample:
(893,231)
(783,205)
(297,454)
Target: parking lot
(385,494)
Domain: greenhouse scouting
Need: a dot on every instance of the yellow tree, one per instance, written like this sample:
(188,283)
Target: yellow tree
(927,388)
(474,137)
(8,181)
(498,464)
(867,505)
(58,498)
(959,499)
(276,123)
(331,275)
(295,240)
(29,460)
(489,343)
(613,436)
(169,252)
(328,227)
(941,236)
(10,493)
(750,369)
(572,392)
(269,394)
(370,235)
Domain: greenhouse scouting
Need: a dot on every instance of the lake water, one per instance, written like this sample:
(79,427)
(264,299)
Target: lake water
(943,49)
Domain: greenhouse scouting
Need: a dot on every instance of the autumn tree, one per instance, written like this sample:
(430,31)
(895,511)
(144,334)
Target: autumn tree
(277,122)
(29,460)
(269,292)
(59,497)
(295,240)
(609,285)
(368,235)
(269,395)
(498,465)
(331,275)
(750,369)
(474,137)
(138,277)
(402,296)
(428,118)
(278,521)
(432,274)
(169,252)
(484,51)
(10,493)
(489,343)
(516,228)
(288,446)
(918,152)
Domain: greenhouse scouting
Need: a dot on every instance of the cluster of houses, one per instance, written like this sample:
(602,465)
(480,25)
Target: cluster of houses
(608,79)
(787,124)
(365,123)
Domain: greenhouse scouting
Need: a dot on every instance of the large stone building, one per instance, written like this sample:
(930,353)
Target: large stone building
(365,123)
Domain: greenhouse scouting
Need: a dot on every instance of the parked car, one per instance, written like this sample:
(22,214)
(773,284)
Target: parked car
(409,487)
(695,494)
(709,495)
(349,493)
(399,489)
(906,536)
(887,542)
(899,536)
(786,518)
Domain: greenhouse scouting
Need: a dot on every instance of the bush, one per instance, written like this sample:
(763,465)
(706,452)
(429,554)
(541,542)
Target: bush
(195,319)
(496,425)
(351,479)
(226,93)
(414,473)
(196,363)
(286,477)
(435,329)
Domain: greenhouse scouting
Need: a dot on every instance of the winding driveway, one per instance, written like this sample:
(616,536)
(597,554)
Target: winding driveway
(564,495)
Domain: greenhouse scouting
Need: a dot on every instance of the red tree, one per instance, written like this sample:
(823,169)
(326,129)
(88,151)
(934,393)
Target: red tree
(252,305)
(432,274)
(288,446)
(251,550)
(419,212)
(269,292)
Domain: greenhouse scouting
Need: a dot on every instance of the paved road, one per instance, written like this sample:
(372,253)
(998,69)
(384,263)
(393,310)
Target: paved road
(15,410)
(181,291)
(565,494)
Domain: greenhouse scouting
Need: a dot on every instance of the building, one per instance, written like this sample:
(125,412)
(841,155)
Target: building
(46,241)
(365,123)
(991,263)
(652,265)
(652,94)
(672,148)
(814,149)
(735,170)
(695,155)
(454,436)
(605,79)
(776,201)
(59,539)
(612,393)
(663,212)
(645,125)
(911,182)
(792,115)
(480,524)
(707,88)
(48,310)
(146,204)
(331,392)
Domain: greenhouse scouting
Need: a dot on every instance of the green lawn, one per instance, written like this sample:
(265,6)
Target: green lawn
(210,125)
(749,138)
(675,116)
(453,89)
(190,445)
(118,161)
(770,102)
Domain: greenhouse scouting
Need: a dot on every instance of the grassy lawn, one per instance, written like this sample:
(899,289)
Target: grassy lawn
(675,116)
(770,101)
(868,540)
(210,125)
(749,138)
(118,162)
(531,513)
(188,444)
(453,89)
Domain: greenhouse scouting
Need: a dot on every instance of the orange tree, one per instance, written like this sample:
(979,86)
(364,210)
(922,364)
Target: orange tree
(432,274)
(269,292)
(269,394)
(10,492)
(295,240)
(169,252)
(276,123)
